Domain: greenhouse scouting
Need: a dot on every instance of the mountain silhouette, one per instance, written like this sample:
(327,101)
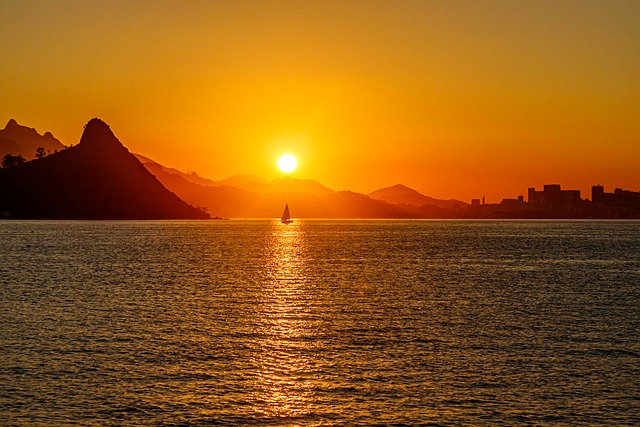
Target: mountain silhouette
(96,179)
(16,139)
(240,196)
(244,181)
(307,198)
(287,185)
(249,196)
(157,169)
(403,195)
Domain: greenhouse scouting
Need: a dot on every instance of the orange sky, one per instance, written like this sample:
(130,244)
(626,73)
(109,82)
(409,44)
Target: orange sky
(457,99)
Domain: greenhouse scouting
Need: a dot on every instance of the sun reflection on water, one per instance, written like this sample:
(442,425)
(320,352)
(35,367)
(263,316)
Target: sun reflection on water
(285,385)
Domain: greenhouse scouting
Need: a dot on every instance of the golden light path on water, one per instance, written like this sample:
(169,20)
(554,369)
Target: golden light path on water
(285,381)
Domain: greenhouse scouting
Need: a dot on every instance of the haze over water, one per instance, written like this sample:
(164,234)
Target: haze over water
(319,323)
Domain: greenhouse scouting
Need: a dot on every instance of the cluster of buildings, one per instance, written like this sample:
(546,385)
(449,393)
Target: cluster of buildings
(554,202)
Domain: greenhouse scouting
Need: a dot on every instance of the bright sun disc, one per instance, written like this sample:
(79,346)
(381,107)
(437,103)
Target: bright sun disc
(287,163)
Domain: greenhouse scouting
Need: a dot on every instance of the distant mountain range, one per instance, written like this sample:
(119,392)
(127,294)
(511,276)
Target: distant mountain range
(99,178)
(21,140)
(96,179)
(249,196)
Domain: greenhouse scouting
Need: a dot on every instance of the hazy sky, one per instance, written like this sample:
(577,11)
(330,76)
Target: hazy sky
(457,99)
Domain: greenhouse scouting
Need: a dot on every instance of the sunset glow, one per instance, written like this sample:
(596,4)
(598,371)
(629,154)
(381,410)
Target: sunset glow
(455,99)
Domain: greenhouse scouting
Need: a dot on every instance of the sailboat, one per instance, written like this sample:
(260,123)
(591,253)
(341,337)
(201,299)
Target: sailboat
(286,216)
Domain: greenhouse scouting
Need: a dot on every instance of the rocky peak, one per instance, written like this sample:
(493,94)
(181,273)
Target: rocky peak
(98,135)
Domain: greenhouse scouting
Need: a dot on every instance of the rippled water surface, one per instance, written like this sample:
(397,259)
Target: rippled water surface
(319,323)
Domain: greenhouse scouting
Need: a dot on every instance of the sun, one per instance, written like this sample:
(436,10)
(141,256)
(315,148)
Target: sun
(287,163)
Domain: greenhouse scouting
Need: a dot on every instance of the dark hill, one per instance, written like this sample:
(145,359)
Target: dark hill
(97,179)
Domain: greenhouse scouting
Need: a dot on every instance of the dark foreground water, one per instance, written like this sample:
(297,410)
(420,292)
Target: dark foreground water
(319,323)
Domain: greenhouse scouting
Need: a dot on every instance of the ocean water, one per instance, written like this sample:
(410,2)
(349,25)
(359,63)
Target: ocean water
(179,323)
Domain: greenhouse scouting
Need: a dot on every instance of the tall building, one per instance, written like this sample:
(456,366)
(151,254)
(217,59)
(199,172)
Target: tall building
(554,199)
(597,193)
